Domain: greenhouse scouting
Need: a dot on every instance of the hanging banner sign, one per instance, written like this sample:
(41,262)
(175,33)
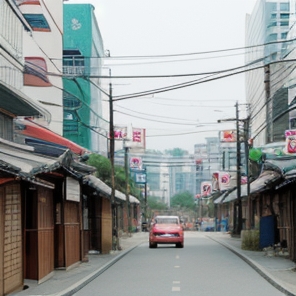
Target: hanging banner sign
(206,188)
(228,136)
(290,141)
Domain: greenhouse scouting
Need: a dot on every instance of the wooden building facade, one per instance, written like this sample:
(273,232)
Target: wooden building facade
(268,205)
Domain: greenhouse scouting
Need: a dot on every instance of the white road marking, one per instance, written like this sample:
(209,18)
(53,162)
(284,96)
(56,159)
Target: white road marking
(176,289)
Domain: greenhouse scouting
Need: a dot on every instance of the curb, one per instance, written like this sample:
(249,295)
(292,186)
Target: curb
(86,280)
(262,271)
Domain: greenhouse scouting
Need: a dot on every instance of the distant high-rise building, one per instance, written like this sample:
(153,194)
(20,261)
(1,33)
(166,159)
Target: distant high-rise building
(266,32)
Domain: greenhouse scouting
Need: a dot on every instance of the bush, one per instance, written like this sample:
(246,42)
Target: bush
(250,240)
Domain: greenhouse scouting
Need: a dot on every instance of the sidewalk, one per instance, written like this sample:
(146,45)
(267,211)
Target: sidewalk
(279,271)
(66,283)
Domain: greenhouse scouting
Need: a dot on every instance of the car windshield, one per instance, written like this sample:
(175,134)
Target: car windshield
(167,220)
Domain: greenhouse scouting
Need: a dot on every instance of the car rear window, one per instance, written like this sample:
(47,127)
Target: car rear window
(167,221)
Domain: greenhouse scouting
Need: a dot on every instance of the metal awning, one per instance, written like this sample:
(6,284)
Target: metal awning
(18,104)
(221,198)
(287,165)
(265,181)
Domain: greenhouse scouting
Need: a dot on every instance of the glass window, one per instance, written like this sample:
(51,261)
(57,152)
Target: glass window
(273,16)
(273,24)
(284,24)
(71,102)
(166,220)
(284,15)
(73,62)
(68,115)
(272,37)
(273,6)
(37,22)
(284,35)
(285,6)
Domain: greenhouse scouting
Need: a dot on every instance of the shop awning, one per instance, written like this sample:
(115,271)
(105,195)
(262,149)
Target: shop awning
(221,198)
(265,181)
(18,104)
(287,165)
(39,136)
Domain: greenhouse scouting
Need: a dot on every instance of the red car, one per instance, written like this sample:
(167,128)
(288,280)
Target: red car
(166,230)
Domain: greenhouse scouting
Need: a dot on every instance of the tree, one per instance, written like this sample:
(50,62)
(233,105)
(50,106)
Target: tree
(176,152)
(154,203)
(183,200)
(103,166)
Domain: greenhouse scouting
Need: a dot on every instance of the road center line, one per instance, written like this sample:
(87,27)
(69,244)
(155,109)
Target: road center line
(176,289)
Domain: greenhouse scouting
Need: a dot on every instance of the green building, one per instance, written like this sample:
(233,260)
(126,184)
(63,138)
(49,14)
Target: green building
(83,51)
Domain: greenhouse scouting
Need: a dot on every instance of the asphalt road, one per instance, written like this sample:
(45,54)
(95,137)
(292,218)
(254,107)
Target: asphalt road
(203,268)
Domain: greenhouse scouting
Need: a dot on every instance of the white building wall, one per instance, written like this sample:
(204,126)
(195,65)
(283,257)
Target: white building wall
(255,92)
(11,51)
(47,45)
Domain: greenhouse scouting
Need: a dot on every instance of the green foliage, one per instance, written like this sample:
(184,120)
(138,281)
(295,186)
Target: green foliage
(211,209)
(183,200)
(250,240)
(153,152)
(176,152)
(154,203)
(103,166)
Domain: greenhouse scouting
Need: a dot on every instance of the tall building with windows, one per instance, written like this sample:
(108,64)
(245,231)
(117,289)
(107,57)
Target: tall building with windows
(82,98)
(266,32)
(42,80)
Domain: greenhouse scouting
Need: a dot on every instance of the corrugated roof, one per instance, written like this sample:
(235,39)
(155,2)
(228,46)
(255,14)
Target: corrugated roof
(262,183)
(105,190)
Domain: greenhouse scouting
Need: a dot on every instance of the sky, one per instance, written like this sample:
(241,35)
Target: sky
(185,45)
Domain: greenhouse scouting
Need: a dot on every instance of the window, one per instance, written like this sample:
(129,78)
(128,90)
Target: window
(284,35)
(70,122)
(271,37)
(273,6)
(73,62)
(68,115)
(35,72)
(272,24)
(166,220)
(284,24)
(285,6)
(284,15)
(37,22)
(71,102)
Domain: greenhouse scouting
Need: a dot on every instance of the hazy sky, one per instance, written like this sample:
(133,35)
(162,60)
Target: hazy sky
(168,40)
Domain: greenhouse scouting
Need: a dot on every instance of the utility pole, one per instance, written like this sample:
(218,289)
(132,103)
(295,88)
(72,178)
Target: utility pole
(238,174)
(113,204)
(129,224)
(246,141)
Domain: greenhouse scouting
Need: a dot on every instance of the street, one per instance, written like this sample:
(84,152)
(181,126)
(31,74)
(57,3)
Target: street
(203,267)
